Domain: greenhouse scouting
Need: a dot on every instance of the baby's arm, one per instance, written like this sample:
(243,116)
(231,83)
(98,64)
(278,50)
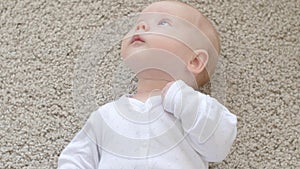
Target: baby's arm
(82,151)
(210,127)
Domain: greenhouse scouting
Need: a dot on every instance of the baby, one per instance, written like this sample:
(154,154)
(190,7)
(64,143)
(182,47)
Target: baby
(173,49)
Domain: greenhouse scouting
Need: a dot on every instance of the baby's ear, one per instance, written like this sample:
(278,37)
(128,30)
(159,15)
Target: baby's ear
(198,62)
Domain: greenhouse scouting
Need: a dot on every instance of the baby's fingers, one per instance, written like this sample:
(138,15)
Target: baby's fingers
(166,88)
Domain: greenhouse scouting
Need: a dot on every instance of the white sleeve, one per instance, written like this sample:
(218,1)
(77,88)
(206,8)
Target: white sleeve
(210,127)
(82,152)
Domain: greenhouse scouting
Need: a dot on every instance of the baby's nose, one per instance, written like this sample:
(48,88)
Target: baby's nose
(142,26)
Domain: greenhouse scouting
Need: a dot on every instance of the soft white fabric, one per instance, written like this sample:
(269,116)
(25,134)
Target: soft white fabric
(184,130)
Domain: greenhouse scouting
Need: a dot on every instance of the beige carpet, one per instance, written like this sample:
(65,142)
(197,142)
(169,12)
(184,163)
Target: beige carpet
(42,43)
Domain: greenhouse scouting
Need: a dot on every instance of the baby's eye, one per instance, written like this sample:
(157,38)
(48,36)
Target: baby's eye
(164,23)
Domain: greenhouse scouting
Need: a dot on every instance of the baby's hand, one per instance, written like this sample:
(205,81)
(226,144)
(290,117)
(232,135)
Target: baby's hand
(166,88)
(172,97)
(164,94)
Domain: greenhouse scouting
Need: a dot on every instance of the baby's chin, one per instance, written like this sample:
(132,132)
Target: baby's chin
(130,51)
(124,49)
(154,74)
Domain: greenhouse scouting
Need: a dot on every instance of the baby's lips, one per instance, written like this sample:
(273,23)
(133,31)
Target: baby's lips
(136,38)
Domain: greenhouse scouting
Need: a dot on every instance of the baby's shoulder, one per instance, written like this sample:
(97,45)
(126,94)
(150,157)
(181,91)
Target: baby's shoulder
(105,108)
(107,114)
(110,110)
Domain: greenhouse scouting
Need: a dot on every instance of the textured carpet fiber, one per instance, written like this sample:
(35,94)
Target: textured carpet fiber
(42,42)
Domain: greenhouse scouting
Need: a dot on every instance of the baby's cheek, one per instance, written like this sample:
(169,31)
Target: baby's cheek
(172,45)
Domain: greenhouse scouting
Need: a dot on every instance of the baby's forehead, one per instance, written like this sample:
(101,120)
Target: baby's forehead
(175,9)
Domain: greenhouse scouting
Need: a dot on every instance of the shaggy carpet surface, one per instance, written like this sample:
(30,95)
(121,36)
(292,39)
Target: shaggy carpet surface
(58,58)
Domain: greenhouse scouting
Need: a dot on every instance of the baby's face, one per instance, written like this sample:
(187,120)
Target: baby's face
(164,33)
(163,25)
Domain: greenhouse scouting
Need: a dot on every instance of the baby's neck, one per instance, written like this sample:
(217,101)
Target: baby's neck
(149,87)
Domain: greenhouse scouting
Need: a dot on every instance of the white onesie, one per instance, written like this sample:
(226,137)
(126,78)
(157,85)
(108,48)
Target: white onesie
(184,130)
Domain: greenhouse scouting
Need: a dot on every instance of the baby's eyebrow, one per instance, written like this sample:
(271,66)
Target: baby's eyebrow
(160,18)
(166,18)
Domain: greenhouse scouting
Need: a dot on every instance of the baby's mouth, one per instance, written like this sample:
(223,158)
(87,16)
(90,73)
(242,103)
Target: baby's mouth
(136,38)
